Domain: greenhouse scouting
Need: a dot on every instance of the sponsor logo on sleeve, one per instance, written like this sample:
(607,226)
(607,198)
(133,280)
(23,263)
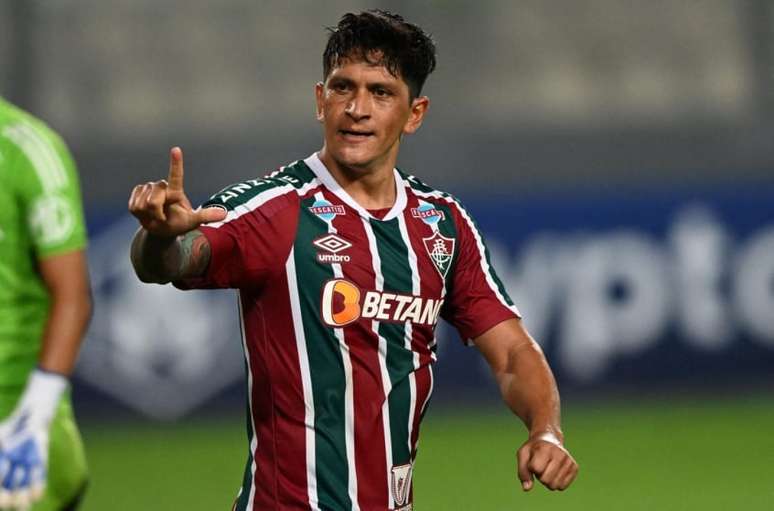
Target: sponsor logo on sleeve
(342,302)
(441,251)
(428,213)
(331,246)
(327,211)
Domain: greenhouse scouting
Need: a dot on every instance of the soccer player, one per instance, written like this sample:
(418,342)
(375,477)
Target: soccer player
(343,265)
(45,306)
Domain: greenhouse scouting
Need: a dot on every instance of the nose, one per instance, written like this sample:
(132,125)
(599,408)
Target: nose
(358,106)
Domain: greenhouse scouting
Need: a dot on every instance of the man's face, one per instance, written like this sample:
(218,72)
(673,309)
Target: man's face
(364,111)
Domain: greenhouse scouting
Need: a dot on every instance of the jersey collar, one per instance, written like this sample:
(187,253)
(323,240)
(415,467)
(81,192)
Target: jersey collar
(325,177)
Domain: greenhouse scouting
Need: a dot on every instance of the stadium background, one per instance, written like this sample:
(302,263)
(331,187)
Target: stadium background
(619,157)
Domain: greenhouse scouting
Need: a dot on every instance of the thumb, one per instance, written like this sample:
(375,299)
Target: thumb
(525,476)
(211,214)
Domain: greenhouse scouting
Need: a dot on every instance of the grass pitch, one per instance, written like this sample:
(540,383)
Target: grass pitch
(666,455)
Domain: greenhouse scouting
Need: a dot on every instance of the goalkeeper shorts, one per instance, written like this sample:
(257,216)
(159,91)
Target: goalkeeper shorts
(67,469)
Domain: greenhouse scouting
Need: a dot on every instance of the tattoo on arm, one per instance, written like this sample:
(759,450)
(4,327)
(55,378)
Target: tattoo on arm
(163,260)
(194,254)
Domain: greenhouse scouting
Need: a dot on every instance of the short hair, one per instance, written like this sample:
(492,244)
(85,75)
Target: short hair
(403,48)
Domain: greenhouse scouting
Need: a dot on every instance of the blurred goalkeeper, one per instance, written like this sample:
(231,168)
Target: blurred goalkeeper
(44,309)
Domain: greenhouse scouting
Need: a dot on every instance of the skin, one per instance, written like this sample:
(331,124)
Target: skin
(363,97)
(529,389)
(364,111)
(66,278)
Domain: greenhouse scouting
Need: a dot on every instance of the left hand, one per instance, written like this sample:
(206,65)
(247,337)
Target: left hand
(23,460)
(544,456)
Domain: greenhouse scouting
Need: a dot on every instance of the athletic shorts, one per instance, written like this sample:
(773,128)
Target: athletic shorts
(67,470)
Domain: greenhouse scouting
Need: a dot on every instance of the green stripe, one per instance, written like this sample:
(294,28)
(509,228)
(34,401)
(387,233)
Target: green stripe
(325,366)
(396,271)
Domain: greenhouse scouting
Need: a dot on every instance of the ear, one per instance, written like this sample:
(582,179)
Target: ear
(319,90)
(419,107)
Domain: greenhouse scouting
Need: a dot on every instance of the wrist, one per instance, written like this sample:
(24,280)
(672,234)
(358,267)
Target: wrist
(41,395)
(547,434)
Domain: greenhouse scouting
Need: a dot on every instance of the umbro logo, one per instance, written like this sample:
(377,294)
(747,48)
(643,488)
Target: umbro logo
(331,246)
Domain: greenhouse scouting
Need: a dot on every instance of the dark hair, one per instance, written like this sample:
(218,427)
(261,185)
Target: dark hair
(402,47)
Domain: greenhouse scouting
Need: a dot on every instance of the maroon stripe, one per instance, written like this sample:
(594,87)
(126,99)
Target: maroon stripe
(368,390)
(277,398)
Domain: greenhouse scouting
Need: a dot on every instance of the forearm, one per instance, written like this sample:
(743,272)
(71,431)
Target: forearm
(67,281)
(66,325)
(528,387)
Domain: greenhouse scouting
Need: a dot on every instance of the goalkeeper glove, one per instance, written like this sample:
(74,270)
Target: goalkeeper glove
(24,441)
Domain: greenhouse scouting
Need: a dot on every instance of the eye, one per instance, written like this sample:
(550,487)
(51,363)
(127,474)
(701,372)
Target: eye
(382,92)
(339,86)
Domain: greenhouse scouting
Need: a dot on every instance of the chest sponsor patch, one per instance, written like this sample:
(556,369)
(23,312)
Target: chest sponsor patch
(331,246)
(428,214)
(327,211)
(441,251)
(342,302)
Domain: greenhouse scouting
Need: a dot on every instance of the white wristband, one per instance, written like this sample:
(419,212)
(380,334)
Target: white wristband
(41,395)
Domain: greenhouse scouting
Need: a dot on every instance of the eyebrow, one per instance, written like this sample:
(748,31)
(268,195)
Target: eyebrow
(369,85)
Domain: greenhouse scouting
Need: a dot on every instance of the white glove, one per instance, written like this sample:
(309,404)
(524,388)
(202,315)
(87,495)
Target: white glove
(24,441)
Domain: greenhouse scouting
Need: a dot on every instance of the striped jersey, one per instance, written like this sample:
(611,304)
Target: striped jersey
(339,307)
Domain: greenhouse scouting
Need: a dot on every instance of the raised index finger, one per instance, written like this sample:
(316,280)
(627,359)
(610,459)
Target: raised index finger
(175,170)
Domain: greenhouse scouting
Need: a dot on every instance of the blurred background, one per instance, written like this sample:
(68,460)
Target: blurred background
(618,155)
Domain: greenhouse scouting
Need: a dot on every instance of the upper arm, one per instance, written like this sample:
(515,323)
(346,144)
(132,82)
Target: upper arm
(195,254)
(245,249)
(66,277)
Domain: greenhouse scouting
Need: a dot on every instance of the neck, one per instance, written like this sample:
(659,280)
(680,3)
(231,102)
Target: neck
(372,188)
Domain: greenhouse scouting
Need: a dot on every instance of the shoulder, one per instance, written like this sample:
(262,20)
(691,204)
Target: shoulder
(287,182)
(439,198)
(27,133)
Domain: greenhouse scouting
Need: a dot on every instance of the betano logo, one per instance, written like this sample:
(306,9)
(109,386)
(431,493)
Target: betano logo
(341,305)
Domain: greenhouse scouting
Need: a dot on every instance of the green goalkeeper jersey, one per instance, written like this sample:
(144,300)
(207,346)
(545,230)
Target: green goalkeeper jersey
(40,216)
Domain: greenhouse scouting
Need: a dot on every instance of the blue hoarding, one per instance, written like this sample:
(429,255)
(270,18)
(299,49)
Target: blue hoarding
(638,288)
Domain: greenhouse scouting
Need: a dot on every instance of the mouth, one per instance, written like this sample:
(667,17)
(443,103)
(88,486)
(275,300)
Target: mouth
(356,135)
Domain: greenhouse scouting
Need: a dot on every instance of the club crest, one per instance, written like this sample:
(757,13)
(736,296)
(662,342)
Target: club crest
(401,484)
(441,251)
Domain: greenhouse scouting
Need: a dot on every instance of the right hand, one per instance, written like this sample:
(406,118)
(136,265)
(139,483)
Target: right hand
(163,208)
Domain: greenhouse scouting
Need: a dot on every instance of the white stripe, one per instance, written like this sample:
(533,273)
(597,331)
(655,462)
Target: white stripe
(386,383)
(306,382)
(416,289)
(48,168)
(325,177)
(479,244)
(56,166)
(254,441)
(349,399)
(261,199)
(53,163)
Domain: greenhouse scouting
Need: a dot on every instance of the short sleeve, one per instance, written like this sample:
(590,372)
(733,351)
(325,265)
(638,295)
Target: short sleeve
(250,245)
(47,187)
(477,299)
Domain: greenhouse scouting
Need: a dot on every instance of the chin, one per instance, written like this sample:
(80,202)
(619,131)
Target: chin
(353,159)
